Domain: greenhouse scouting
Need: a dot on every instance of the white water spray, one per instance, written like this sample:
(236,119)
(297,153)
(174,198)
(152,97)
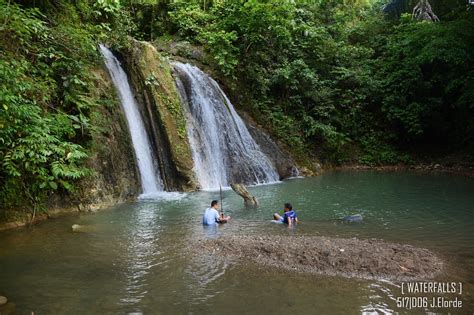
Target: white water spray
(149,175)
(222,147)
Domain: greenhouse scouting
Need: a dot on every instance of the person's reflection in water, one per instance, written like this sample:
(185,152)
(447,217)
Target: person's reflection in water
(211,231)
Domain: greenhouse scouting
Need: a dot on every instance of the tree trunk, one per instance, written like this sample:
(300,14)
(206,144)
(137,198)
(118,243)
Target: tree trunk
(249,200)
(423,12)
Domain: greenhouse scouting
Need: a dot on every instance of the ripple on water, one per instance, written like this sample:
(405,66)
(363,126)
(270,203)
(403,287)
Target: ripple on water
(162,196)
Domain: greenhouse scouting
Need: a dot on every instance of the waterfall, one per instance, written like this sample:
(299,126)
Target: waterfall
(149,174)
(223,149)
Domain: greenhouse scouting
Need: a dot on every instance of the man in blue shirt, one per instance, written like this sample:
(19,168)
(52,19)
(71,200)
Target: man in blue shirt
(289,216)
(211,215)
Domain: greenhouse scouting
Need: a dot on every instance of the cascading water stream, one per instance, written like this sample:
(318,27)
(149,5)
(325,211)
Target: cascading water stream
(222,147)
(149,175)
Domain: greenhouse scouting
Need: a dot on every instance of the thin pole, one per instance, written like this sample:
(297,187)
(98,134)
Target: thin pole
(222,205)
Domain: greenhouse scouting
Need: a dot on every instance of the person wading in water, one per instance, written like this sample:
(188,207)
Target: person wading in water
(289,216)
(211,215)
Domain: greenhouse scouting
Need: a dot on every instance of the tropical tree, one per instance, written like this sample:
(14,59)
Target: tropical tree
(423,11)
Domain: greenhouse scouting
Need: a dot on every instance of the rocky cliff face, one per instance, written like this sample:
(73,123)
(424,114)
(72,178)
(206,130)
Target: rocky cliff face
(282,161)
(279,154)
(115,178)
(150,76)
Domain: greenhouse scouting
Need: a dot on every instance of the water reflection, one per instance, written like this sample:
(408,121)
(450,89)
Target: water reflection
(141,252)
(211,231)
(380,298)
(139,256)
(204,272)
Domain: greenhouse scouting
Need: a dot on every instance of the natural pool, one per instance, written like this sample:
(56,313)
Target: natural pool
(135,257)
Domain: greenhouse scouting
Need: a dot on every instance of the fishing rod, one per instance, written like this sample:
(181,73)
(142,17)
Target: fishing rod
(222,205)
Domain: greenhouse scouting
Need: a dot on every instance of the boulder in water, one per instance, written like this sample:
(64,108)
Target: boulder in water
(249,200)
(353,218)
(3,300)
(82,228)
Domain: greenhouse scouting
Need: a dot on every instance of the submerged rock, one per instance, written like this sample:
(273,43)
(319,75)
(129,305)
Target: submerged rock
(3,300)
(367,259)
(353,218)
(250,201)
(82,228)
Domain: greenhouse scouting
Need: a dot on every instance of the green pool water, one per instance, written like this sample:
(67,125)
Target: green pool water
(135,257)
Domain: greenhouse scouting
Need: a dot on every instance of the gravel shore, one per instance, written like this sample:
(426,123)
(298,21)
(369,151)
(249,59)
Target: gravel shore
(367,259)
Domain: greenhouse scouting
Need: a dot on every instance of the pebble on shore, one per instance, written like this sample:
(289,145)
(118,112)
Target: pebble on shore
(366,259)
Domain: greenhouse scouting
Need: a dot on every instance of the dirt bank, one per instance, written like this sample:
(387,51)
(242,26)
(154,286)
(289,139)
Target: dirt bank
(367,259)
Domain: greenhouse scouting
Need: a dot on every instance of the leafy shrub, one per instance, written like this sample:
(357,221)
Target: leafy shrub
(45,101)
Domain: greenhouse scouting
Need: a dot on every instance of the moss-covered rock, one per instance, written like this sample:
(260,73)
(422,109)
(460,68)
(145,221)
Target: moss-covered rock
(115,176)
(150,75)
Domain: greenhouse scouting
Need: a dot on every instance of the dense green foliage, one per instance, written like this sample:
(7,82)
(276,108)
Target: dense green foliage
(427,76)
(334,76)
(342,80)
(46,57)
